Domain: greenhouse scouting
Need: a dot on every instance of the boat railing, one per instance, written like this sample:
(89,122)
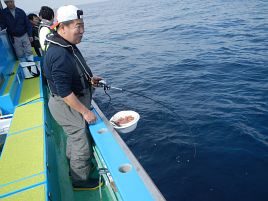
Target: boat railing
(131,180)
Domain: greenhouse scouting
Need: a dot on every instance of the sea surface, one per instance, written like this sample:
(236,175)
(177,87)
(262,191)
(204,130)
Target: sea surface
(198,71)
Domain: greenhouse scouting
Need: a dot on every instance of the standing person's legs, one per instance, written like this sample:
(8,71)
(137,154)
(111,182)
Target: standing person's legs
(27,47)
(19,49)
(38,51)
(78,148)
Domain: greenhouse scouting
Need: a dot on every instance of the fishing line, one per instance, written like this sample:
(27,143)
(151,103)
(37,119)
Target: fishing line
(171,110)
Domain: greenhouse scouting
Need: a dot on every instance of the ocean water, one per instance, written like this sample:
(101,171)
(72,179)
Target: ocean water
(204,136)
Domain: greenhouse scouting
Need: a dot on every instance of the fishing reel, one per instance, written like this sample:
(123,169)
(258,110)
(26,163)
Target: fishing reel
(103,84)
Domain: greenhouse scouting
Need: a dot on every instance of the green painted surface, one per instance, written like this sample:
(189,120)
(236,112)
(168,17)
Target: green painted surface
(30,90)
(27,116)
(22,161)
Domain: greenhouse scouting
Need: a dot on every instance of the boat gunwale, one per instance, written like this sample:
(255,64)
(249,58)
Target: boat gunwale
(156,194)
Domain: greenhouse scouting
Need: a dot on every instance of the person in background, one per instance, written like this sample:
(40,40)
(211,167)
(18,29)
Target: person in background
(46,15)
(1,20)
(70,81)
(20,30)
(35,21)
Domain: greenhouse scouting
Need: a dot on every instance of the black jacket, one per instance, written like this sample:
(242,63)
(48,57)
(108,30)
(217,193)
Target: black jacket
(16,26)
(65,68)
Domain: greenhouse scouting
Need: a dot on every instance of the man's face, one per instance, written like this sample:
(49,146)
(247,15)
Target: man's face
(10,4)
(74,31)
(35,20)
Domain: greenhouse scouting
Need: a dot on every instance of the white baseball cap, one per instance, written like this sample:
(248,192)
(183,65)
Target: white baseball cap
(67,13)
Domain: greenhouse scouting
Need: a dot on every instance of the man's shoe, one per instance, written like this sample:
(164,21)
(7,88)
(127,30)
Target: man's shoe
(90,184)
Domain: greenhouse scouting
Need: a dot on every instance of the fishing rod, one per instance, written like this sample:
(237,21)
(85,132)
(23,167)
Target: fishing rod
(106,87)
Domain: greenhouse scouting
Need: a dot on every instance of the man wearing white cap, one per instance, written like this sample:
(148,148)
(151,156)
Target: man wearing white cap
(70,81)
(20,30)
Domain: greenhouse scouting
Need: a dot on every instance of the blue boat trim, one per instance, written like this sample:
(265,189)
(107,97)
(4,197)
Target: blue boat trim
(22,189)
(40,99)
(22,179)
(6,80)
(24,130)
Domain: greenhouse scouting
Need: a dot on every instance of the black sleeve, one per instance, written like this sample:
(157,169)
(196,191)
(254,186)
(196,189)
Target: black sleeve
(61,72)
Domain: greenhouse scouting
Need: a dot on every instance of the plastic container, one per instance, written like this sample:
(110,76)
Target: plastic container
(5,121)
(29,69)
(128,127)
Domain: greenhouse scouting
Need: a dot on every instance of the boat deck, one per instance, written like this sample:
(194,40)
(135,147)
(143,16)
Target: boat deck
(24,164)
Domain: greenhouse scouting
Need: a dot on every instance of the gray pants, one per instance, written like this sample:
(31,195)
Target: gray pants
(78,148)
(23,48)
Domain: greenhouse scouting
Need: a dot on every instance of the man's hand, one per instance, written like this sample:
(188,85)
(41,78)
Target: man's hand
(89,116)
(95,80)
(74,103)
